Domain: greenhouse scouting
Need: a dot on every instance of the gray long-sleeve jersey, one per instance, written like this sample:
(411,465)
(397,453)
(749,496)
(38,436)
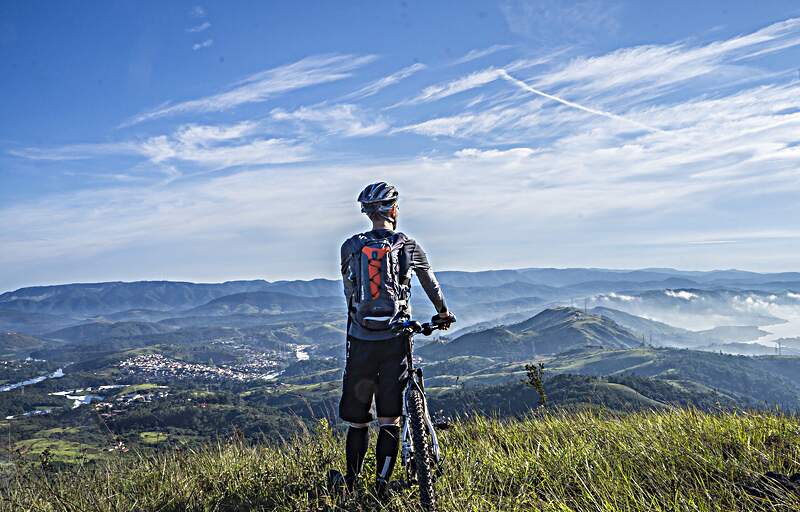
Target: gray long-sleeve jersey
(412,257)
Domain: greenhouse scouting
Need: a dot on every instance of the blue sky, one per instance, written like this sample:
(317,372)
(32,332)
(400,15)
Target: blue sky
(172,140)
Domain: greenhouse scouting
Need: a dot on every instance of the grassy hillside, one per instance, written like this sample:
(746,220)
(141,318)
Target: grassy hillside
(676,461)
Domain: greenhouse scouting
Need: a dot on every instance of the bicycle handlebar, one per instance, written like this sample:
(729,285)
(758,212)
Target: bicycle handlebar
(414,327)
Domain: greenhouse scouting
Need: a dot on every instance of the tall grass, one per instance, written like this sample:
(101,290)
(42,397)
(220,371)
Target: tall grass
(665,461)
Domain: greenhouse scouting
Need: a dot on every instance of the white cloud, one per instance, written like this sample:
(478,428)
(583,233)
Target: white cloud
(495,154)
(578,187)
(500,124)
(265,84)
(450,126)
(618,297)
(615,84)
(344,119)
(199,28)
(205,44)
(379,85)
(220,146)
(680,294)
(256,152)
(654,68)
(479,54)
(197,12)
(439,91)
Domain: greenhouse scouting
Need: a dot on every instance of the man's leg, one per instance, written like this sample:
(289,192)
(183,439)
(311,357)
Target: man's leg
(355,450)
(358,388)
(386,448)
(389,404)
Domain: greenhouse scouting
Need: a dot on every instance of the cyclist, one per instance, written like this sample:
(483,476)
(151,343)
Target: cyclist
(376,269)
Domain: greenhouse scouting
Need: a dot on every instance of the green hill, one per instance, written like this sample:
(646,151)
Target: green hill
(99,331)
(550,332)
(752,381)
(12,343)
(664,461)
(261,303)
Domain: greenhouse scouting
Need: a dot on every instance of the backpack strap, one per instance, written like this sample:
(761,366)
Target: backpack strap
(398,240)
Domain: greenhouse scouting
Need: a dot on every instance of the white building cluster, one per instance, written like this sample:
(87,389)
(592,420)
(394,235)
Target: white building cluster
(156,365)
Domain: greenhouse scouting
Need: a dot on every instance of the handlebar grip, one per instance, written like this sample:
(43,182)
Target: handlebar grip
(437,320)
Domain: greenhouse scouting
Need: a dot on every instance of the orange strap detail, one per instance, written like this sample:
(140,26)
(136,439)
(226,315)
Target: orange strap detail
(375,258)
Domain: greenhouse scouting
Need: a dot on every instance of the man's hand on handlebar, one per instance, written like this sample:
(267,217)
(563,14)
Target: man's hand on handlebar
(443,320)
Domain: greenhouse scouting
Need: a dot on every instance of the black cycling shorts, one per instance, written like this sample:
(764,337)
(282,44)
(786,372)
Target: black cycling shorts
(373,369)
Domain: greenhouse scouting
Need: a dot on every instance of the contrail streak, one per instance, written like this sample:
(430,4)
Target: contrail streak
(522,85)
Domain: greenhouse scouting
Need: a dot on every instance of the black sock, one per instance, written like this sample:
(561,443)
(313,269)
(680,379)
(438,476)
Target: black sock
(386,451)
(355,449)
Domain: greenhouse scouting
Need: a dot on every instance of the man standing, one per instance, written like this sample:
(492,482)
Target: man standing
(376,269)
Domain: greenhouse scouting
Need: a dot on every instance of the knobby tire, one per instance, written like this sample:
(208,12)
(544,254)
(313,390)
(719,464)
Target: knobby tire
(422,450)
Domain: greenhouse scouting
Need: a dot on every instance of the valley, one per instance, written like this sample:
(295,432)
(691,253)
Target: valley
(90,370)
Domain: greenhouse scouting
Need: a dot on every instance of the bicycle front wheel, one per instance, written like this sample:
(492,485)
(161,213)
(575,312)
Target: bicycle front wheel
(422,449)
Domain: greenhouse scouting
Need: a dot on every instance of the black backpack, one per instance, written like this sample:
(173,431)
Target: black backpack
(381,292)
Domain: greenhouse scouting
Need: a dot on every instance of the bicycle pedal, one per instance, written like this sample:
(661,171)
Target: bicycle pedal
(404,484)
(439,468)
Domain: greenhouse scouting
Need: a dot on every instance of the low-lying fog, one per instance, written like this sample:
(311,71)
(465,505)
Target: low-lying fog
(699,310)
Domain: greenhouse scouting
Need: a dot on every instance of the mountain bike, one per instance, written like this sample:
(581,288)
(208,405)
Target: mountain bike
(421,455)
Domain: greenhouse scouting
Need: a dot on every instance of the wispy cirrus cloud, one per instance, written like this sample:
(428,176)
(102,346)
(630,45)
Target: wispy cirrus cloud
(612,84)
(741,148)
(479,54)
(653,69)
(346,120)
(265,84)
(466,125)
(223,147)
(575,148)
(207,146)
(197,11)
(487,120)
(164,149)
(439,91)
(378,85)
(199,28)
(205,44)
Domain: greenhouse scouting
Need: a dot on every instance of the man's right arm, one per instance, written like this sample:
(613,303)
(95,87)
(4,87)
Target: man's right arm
(347,279)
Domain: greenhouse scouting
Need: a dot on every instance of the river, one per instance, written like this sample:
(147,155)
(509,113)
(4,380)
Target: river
(55,375)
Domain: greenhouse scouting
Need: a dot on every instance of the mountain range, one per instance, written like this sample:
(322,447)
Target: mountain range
(663,307)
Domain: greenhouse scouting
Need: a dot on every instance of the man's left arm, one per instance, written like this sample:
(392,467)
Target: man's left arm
(421,266)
